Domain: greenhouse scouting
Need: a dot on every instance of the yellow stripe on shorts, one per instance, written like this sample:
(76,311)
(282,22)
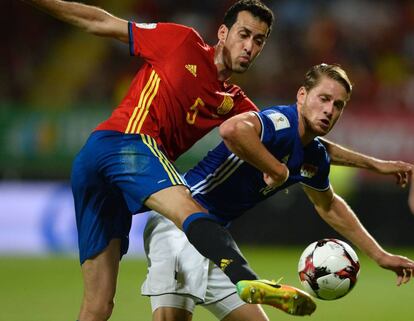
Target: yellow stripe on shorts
(175,178)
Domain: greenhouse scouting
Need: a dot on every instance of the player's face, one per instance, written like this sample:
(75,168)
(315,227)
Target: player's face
(322,105)
(243,41)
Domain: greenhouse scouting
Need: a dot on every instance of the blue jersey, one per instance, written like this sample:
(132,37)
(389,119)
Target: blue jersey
(227,186)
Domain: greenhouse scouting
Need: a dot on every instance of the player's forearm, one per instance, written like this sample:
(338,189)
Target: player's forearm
(411,194)
(89,18)
(345,157)
(341,218)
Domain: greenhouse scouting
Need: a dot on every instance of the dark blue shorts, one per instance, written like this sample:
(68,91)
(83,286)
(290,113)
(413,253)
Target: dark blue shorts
(112,176)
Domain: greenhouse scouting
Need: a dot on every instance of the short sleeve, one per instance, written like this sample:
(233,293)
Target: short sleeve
(276,127)
(152,41)
(316,167)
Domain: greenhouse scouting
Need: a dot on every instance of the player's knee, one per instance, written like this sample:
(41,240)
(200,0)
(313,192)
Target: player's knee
(98,310)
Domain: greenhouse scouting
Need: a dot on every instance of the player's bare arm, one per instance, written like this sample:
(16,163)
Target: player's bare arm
(336,212)
(345,157)
(241,135)
(89,18)
(411,194)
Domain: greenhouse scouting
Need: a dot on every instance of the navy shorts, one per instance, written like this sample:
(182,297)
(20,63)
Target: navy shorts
(112,176)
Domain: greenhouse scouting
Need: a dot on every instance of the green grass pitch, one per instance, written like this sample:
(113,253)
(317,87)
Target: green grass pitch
(35,289)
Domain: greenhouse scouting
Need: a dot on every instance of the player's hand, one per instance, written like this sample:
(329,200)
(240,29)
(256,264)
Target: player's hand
(401,265)
(400,170)
(279,179)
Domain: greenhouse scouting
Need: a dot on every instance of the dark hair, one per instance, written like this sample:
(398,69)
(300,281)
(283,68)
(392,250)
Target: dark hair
(334,72)
(255,7)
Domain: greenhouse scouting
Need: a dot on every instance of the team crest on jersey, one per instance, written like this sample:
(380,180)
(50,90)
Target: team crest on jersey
(192,69)
(146,25)
(308,170)
(279,120)
(226,105)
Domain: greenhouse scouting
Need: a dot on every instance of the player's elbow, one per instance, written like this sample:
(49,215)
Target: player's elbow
(232,130)
(227,130)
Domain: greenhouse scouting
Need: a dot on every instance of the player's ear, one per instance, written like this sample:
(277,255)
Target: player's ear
(222,33)
(301,94)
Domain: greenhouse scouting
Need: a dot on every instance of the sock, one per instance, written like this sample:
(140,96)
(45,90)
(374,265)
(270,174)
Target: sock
(216,243)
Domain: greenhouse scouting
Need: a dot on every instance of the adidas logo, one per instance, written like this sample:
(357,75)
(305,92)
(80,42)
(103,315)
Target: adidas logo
(192,69)
(224,263)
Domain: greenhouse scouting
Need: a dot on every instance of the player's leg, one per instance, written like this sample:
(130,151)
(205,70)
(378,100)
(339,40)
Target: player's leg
(176,204)
(99,278)
(171,314)
(174,267)
(103,239)
(227,310)
(103,223)
(224,303)
(247,312)
(172,307)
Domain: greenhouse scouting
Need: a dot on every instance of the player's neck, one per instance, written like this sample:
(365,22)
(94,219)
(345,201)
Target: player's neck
(223,73)
(305,134)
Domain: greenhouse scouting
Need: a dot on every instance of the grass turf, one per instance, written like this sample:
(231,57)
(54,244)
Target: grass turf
(50,289)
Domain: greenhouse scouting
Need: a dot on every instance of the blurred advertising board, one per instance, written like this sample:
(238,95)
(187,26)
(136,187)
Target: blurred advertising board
(42,143)
(385,135)
(39,144)
(37,218)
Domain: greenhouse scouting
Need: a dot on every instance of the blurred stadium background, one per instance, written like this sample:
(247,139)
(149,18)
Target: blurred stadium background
(58,83)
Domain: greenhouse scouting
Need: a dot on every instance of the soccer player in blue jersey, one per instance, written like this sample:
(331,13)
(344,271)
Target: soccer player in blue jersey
(234,177)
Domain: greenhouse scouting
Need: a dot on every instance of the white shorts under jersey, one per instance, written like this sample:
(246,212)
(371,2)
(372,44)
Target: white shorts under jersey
(178,276)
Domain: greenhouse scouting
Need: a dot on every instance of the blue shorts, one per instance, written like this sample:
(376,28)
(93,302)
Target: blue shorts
(112,176)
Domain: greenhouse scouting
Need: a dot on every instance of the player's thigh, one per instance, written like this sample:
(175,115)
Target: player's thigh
(100,274)
(103,216)
(247,312)
(174,265)
(171,314)
(175,203)
(172,307)
(139,170)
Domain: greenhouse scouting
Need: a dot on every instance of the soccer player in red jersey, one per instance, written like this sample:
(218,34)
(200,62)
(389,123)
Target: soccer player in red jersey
(125,166)
(179,86)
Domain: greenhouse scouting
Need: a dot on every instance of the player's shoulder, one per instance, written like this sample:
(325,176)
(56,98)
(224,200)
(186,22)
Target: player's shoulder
(185,29)
(172,27)
(317,149)
(281,116)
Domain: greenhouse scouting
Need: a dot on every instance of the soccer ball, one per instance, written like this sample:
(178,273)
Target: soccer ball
(328,269)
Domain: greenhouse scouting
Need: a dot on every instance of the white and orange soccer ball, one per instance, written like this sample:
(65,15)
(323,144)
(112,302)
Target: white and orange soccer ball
(328,269)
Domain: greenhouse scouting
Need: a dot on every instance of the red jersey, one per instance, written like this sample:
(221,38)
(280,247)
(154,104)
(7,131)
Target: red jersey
(175,97)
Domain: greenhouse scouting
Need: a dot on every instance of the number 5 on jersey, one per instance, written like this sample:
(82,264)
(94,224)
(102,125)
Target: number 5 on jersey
(192,113)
